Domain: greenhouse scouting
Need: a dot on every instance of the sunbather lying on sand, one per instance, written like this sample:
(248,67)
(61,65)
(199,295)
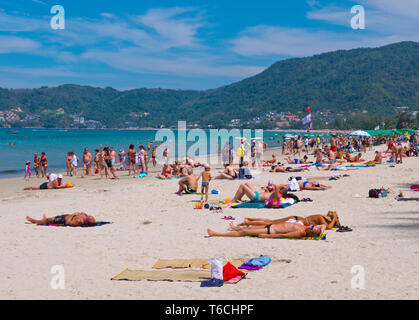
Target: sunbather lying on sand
(292,161)
(75,219)
(228,173)
(279,168)
(356,158)
(330,220)
(308,185)
(281,230)
(55,184)
(255,196)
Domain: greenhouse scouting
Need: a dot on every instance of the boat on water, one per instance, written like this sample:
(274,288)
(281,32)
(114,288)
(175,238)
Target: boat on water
(12,132)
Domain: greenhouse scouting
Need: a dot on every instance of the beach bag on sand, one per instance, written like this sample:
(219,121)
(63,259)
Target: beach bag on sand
(377,193)
(216,268)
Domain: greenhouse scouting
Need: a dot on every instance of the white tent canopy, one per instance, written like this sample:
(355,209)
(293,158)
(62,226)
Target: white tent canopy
(360,133)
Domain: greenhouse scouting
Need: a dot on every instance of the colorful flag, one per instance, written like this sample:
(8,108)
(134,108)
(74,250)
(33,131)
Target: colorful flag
(307,119)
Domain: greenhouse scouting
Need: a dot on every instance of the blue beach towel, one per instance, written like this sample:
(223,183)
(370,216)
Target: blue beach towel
(259,261)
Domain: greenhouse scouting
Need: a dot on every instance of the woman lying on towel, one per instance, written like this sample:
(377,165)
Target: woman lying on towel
(287,229)
(307,185)
(75,219)
(330,220)
(246,189)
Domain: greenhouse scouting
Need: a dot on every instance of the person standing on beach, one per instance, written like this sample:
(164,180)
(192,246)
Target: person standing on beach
(107,157)
(166,154)
(141,158)
(36,164)
(259,154)
(206,178)
(44,164)
(154,155)
(131,154)
(113,155)
(68,163)
(333,145)
(74,163)
(28,170)
(87,162)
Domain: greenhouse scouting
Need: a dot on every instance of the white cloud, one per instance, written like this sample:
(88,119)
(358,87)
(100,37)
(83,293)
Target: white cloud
(14,23)
(387,21)
(268,40)
(134,60)
(171,25)
(381,16)
(10,44)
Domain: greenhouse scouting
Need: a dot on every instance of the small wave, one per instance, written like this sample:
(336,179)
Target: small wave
(8,171)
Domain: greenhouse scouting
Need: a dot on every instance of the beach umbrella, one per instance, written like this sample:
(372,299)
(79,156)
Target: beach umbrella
(360,133)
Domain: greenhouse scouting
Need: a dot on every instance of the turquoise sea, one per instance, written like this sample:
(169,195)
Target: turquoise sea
(57,142)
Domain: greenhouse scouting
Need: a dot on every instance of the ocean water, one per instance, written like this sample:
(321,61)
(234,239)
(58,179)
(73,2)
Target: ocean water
(57,142)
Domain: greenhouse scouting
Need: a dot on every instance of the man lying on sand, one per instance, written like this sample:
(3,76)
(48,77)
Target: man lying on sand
(75,219)
(189,184)
(279,168)
(330,220)
(55,184)
(281,230)
(303,160)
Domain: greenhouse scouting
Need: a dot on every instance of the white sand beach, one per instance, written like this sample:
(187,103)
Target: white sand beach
(150,222)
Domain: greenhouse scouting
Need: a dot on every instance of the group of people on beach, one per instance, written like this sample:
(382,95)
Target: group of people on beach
(326,157)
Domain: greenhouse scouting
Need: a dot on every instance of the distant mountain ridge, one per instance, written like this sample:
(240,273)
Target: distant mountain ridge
(373,80)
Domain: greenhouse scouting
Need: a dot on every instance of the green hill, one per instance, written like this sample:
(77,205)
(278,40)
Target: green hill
(362,81)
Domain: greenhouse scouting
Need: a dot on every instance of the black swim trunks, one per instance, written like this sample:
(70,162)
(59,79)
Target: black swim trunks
(44,186)
(288,168)
(59,219)
(109,163)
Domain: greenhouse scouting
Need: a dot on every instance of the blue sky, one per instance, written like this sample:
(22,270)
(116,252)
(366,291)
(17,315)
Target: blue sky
(182,44)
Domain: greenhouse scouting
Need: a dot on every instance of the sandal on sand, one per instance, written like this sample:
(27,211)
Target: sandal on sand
(344,229)
(228,218)
(306,200)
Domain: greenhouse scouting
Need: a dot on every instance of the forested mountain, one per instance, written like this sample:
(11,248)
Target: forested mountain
(370,81)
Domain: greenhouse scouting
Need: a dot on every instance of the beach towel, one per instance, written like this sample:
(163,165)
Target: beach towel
(172,275)
(212,283)
(250,204)
(414,187)
(322,237)
(189,263)
(259,261)
(231,272)
(407,199)
(259,205)
(96,224)
(249,267)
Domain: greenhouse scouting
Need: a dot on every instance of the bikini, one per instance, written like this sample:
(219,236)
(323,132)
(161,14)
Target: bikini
(268,227)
